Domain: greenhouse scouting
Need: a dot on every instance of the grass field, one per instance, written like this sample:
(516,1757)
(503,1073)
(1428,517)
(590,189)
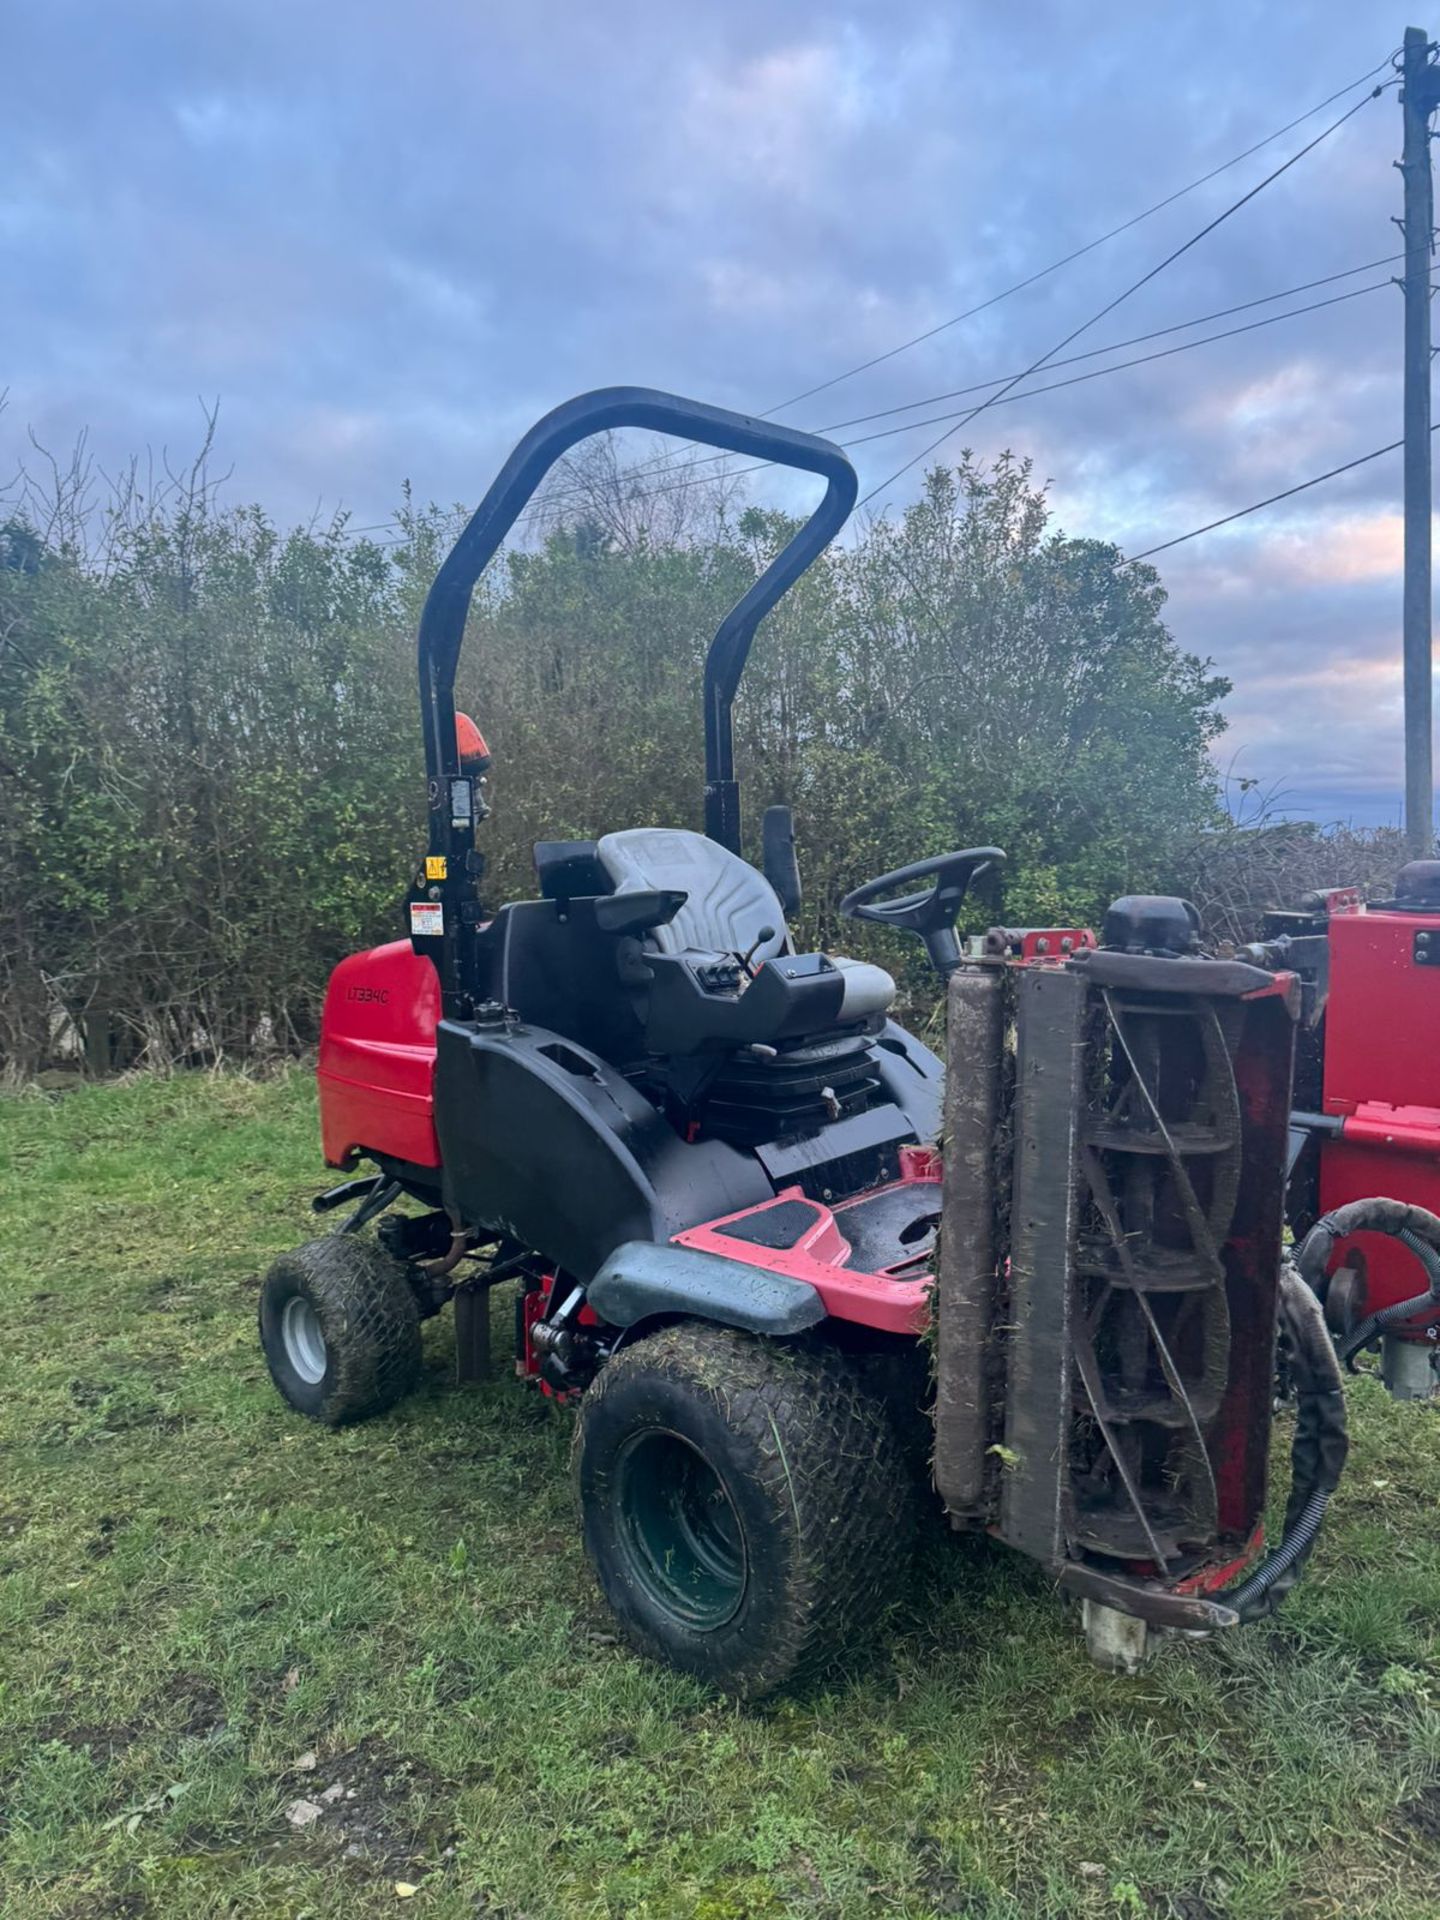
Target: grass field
(210,1610)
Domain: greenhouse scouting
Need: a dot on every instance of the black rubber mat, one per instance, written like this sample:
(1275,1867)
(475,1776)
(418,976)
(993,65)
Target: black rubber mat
(891,1226)
(776,1227)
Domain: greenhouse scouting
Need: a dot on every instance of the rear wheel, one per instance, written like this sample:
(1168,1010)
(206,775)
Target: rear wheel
(340,1328)
(744,1504)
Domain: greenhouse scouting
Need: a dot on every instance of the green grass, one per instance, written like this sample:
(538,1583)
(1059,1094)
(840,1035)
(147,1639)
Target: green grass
(199,1590)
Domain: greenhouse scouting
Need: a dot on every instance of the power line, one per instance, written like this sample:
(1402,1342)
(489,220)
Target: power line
(1139,339)
(1096,373)
(1133,288)
(999,379)
(1241,513)
(1079,252)
(1210,526)
(1289,492)
(1120,366)
(1065,260)
(1143,359)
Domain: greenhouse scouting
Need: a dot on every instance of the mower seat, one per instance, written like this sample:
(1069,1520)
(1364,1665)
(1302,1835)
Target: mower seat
(727,906)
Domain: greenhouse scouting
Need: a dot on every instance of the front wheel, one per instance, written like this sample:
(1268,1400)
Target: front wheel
(340,1329)
(744,1504)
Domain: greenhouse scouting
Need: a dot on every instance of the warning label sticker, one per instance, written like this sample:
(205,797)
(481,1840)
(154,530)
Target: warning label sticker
(427,919)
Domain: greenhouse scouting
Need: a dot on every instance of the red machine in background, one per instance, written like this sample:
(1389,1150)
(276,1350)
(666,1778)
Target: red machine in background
(1367,1117)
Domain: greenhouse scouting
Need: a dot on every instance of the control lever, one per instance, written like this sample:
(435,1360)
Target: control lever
(765,933)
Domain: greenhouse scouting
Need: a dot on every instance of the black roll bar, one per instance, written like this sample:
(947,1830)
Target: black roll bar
(442,623)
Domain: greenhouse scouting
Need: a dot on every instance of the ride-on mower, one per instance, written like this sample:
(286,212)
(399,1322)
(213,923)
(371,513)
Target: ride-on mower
(762,1239)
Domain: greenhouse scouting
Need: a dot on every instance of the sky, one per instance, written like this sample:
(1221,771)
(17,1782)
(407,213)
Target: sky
(386,239)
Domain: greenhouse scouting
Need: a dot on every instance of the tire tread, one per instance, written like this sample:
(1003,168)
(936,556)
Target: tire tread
(829,1452)
(370,1318)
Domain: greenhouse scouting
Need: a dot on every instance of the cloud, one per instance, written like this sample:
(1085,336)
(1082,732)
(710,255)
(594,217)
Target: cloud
(387,239)
(775,118)
(217,120)
(1361,547)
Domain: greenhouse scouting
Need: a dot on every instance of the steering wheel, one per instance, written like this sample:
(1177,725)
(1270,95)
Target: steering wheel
(931,911)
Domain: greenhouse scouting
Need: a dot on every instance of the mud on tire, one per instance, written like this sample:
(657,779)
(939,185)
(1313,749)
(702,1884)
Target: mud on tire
(744,1503)
(340,1329)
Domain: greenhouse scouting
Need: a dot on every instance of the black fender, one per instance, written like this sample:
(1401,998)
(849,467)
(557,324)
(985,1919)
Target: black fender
(642,1279)
(914,1079)
(543,1141)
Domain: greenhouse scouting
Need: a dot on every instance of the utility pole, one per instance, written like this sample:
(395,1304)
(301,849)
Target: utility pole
(1418,101)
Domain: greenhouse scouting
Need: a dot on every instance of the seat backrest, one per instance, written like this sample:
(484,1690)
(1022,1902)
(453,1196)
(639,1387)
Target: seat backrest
(728,902)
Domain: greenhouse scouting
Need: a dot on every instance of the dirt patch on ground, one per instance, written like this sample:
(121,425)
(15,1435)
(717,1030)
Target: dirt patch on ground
(103,1743)
(188,1704)
(102,1544)
(1422,1814)
(192,1704)
(946,1893)
(131,1419)
(169,1293)
(858,1775)
(110,1906)
(369,1810)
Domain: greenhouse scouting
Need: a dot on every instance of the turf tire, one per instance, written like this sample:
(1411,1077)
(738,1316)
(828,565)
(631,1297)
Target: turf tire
(368,1318)
(819,1496)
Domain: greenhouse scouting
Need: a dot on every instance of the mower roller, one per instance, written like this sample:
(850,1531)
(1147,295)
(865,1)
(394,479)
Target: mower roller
(713,1167)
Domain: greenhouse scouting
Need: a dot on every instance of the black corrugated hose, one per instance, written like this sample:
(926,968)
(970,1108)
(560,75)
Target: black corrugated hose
(1414,1227)
(1317,1457)
(1317,1453)
(1402,1310)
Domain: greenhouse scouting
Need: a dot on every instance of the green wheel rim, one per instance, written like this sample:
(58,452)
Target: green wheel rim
(678,1530)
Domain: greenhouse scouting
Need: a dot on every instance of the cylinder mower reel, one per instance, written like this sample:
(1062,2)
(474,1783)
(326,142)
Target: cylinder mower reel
(1121,1276)
(708,1162)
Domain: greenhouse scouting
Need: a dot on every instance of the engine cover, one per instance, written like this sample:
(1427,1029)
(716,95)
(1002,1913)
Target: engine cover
(376,1071)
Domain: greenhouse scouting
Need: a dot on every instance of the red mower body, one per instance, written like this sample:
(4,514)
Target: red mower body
(1382,1079)
(377,1059)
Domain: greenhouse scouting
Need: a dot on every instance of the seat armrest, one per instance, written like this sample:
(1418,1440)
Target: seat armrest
(638,912)
(790,995)
(868,989)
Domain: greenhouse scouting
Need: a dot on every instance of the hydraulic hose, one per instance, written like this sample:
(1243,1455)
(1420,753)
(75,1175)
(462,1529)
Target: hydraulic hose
(1317,1457)
(1317,1454)
(1414,1227)
(1426,1255)
(1398,1311)
(1395,1217)
(1257,1595)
